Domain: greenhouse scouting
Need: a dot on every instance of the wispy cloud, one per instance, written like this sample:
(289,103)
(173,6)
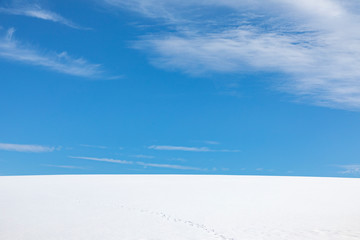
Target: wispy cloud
(188,149)
(142,156)
(177,159)
(63,166)
(93,146)
(212,142)
(36,11)
(315,45)
(104,160)
(168,166)
(351,169)
(143,164)
(25,148)
(180,148)
(14,50)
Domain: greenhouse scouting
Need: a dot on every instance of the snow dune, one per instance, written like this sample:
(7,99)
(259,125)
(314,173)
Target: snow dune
(178,207)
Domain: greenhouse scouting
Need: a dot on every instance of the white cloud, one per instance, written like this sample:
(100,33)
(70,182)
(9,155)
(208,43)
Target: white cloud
(142,156)
(177,159)
(180,167)
(211,142)
(350,169)
(315,45)
(36,11)
(104,160)
(93,146)
(156,165)
(60,62)
(25,148)
(180,148)
(188,149)
(63,166)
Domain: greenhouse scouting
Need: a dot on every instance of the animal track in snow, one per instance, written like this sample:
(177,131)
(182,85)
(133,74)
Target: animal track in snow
(179,220)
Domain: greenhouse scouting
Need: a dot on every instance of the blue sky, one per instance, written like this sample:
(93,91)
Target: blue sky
(195,87)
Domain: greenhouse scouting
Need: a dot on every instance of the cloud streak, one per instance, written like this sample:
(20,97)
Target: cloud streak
(93,146)
(351,169)
(25,148)
(188,149)
(211,142)
(180,167)
(110,160)
(60,62)
(179,148)
(36,11)
(313,45)
(142,156)
(143,164)
(64,166)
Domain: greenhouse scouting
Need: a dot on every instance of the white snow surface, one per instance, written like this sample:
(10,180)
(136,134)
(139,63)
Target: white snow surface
(178,207)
